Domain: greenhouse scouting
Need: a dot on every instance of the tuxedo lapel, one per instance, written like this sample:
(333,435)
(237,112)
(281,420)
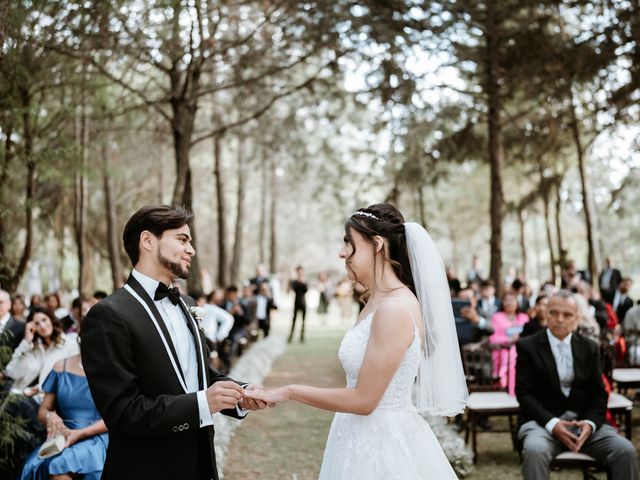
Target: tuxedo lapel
(136,290)
(197,340)
(549,362)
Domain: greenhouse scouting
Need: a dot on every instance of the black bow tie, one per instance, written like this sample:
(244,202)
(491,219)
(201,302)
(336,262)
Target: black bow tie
(171,292)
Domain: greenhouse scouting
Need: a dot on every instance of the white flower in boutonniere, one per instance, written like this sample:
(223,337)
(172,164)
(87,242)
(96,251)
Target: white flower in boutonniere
(198,314)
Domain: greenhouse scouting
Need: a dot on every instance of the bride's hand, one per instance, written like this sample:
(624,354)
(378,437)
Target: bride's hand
(273,396)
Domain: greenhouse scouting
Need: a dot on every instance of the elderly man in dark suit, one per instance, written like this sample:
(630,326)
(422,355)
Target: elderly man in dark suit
(11,330)
(562,398)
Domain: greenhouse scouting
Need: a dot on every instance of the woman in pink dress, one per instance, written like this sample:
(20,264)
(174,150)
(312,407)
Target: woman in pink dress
(507,325)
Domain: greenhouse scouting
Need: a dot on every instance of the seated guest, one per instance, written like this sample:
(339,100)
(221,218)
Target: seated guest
(99,295)
(488,304)
(44,343)
(632,324)
(507,325)
(19,308)
(598,307)
(538,315)
(622,303)
(217,321)
(471,326)
(68,409)
(609,279)
(264,305)
(52,302)
(570,276)
(238,332)
(248,304)
(523,293)
(587,325)
(632,318)
(79,309)
(36,301)
(11,329)
(562,398)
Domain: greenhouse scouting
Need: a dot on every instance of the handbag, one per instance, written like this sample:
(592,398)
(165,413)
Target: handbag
(52,446)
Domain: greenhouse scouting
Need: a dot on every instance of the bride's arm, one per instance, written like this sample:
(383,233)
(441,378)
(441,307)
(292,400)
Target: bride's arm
(391,335)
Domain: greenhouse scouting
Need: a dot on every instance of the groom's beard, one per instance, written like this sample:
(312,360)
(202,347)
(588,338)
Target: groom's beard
(173,267)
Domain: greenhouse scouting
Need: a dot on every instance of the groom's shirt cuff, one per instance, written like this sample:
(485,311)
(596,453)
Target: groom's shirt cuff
(206,417)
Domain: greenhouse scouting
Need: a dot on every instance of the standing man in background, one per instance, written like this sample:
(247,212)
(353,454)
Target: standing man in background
(299,287)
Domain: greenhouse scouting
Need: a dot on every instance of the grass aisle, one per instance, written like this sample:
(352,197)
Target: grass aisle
(286,442)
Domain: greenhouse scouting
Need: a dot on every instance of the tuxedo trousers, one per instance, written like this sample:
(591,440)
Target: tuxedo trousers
(205,469)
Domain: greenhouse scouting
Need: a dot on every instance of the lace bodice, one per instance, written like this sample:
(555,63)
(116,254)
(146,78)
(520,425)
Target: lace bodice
(351,355)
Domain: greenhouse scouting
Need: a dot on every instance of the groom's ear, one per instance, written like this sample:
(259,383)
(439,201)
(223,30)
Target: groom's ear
(147,240)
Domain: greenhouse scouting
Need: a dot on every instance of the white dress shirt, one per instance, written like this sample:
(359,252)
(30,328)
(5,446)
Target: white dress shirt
(563,356)
(182,341)
(217,322)
(606,279)
(261,307)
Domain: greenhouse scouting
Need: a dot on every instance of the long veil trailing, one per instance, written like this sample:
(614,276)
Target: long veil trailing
(440,386)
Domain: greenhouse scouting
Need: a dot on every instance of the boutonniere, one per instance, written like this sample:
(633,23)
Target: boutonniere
(198,315)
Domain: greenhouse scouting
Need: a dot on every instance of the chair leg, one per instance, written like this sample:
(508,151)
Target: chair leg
(512,431)
(474,443)
(467,429)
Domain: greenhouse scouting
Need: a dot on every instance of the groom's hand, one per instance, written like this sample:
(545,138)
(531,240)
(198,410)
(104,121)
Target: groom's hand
(223,395)
(250,403)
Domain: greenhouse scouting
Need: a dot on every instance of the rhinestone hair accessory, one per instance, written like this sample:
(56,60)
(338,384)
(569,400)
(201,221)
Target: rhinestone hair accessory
(365,214)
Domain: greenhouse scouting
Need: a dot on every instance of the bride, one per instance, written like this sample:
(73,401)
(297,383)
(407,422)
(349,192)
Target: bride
(405,336)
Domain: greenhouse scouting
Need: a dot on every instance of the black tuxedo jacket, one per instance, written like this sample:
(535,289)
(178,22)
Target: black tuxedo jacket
(538,385)
(614,281)
(623,308)
(12,334)
(138,388)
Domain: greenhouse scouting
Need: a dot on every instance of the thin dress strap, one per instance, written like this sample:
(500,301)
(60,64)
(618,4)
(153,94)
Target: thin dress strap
(64,365)
(401,300)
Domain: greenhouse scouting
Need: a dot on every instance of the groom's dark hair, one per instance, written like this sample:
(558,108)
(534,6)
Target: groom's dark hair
(155,219)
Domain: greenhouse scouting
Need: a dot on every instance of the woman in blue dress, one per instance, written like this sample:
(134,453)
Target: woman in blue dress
(68,409)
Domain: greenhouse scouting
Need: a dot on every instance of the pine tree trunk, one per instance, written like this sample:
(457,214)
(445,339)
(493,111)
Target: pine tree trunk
(263,206)
(113,244)
(80,188)
(12,279)
(523,240)
(273,260)
(421,210)
(496,148)
(236,259)
(547,225)
(562,253)
(182,128)
(593,260)
(222,229)
(194,282)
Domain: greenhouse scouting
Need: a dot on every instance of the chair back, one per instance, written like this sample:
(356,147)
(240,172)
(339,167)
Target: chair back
(486,366)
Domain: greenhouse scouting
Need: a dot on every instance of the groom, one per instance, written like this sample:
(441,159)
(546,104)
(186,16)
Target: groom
(147,364)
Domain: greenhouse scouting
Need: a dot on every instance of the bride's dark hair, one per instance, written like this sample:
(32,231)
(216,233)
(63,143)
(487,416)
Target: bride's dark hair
(389,224)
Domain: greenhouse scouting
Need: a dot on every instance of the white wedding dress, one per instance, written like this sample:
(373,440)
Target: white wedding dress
(394,441)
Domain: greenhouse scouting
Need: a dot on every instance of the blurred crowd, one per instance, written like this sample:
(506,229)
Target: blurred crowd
(607,313)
